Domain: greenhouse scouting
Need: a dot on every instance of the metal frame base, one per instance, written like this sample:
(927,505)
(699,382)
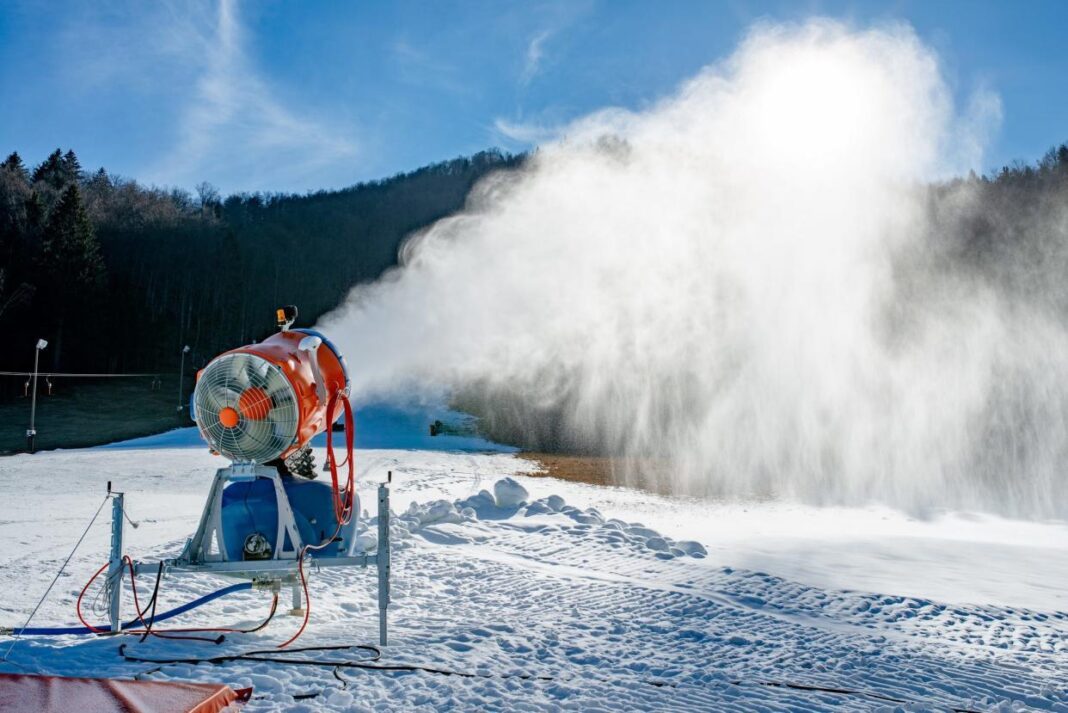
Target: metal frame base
(197,558)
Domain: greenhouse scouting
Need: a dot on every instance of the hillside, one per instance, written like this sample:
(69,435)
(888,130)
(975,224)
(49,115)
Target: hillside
(117,276)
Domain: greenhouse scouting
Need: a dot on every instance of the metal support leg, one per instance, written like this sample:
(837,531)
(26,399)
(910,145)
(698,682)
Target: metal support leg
(115,564)
(383,561)
(298,604)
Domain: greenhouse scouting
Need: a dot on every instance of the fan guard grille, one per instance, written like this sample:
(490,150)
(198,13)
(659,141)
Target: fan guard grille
(257,437)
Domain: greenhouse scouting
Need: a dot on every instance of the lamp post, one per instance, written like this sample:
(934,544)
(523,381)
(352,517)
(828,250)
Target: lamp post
(31,432)
(181,376)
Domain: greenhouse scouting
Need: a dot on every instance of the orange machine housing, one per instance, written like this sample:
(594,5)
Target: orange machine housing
(281,349)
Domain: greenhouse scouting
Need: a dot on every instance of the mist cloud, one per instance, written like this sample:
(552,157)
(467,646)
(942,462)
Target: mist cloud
(735,290)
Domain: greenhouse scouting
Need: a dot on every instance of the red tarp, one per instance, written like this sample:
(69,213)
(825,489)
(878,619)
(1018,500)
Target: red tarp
(21,692)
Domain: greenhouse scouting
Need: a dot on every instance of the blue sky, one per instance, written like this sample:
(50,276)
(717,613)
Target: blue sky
(292,96)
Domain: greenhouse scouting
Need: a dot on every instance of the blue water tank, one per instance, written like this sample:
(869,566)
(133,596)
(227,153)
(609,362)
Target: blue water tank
(250,507)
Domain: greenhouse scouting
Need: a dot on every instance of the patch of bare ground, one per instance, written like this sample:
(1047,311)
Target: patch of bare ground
(600,470)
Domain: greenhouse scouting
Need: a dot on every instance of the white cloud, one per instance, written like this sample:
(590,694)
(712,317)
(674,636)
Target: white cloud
(535,53)
(234,130)
(524,133)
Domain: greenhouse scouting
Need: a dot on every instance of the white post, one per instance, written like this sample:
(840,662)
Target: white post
(181,376)
(383,560)
(115,567)
(31,432)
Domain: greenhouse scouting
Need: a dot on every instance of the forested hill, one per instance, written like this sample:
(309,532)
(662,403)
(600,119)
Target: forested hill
(117,276)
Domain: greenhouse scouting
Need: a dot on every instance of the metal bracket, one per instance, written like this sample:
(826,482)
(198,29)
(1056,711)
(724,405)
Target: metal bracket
(198,549)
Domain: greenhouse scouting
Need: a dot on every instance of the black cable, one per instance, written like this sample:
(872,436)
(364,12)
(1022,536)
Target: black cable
(369,666)
(268,656)
(152,604)
(462,674)
(155,593)
(822,689)
(265,622)
(837,691)
(221,637)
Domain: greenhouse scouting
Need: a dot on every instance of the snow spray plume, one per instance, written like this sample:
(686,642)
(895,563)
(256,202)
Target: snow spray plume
(734,291)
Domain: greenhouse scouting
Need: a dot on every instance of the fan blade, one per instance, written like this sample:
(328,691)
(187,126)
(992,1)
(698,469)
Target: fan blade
(262,370)
(257,441)
(208,402)
(283,414)
(276,384)
(247,377)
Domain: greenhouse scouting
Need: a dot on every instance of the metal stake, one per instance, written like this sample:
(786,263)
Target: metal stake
(115,566)
(383,561)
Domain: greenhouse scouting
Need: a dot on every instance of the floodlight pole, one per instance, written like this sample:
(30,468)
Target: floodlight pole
(31,432)
(181,376)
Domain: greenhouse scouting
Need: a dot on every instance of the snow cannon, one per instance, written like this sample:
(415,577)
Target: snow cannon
(263,403)
(260,405)
(266,514)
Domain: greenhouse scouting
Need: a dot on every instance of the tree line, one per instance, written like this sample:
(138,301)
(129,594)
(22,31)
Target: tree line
(118,276)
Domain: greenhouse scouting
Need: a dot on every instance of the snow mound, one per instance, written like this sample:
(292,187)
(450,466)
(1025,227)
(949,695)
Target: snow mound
(509,493)
(509,502)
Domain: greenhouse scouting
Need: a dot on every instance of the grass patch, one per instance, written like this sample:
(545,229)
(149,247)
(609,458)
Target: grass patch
(89,412)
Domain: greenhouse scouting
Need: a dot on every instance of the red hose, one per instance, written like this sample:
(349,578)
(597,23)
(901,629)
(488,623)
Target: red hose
(78,605)
(342,508)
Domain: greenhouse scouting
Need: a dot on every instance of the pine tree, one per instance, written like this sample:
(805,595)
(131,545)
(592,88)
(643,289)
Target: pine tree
(14,164)
(70,244)
(72,167)
(51,170)
(35,212)
(72,268)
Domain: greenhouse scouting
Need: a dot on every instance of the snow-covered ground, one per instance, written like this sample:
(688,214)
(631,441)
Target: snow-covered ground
(583,598)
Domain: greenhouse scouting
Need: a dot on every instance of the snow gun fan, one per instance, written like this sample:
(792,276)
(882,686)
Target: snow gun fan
(249,408)
(264,402)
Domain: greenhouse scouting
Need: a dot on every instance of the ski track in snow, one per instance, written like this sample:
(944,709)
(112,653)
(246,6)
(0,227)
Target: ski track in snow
(619,616)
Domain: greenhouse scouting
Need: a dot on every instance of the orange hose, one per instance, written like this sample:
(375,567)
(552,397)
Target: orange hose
(343,509)
(78,604)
